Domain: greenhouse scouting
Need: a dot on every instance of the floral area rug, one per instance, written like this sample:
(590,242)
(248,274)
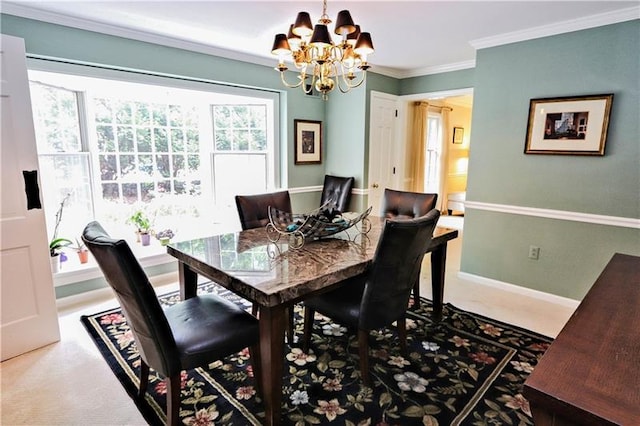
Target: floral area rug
(465,370)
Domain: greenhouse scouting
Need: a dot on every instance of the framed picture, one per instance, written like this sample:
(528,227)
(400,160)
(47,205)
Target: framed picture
(308,142)
(572,125)
(458,135)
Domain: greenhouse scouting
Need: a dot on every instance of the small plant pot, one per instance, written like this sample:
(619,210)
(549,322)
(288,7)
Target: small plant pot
(145,239)
(55,264)
(165,241)
(83,255)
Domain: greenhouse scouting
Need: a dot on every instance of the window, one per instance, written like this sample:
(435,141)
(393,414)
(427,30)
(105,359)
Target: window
(109,147)
(433,153)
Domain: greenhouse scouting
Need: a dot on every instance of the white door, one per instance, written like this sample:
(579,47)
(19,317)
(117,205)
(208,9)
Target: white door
(28,318)
(384,164)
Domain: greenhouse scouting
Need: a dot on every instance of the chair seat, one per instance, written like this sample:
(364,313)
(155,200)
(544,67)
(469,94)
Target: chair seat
(343,303)
(208,327)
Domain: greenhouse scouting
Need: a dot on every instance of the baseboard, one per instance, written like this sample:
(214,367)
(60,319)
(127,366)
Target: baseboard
(524,291)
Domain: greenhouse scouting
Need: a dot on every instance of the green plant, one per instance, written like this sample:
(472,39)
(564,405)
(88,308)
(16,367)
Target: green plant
(141,221)
(80,246)
(57,244)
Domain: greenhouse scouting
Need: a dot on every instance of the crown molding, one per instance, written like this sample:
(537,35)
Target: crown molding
(119,31)
(457,66)
(178,43)
(584,23)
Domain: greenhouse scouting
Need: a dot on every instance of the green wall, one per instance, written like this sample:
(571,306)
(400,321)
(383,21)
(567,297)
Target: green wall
(495,244)
(461,79)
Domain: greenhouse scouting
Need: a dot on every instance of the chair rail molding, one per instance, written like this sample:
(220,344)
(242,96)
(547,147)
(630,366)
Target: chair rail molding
(624,222)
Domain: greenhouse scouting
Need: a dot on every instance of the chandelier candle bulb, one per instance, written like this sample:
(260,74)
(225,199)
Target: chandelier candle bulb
(316,56)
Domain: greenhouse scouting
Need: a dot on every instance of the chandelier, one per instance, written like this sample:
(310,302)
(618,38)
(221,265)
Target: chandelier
(315,54)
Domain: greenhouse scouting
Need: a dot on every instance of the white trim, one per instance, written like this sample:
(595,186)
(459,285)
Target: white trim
(613,17)
(318,188)
(119,31)
(625,222)
(578,24)
(437,69)
(524,291)
(91,272)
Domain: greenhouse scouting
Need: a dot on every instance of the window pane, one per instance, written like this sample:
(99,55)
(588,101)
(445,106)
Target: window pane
(124,113)
(108,167)
(160,138)
(111,191)
(175,114)
(66,176)
(103,111)
(105,139)
(56,119)
(125,139)
(143,138)
(143,117)
(130,192)
(177,140)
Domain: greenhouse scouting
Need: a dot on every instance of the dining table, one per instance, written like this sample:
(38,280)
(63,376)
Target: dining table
(275,275)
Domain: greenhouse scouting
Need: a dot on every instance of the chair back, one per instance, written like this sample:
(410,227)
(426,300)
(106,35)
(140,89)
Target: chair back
(337,190)
(407,205)
(253,210)
(395,269)
(139,302)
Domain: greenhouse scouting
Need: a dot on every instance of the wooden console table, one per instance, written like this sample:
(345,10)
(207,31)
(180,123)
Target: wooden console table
(590,375)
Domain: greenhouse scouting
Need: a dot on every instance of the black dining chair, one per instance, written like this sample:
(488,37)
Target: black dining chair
(408,205)
(253,211)
(380,295)
(189,334)
(336,192)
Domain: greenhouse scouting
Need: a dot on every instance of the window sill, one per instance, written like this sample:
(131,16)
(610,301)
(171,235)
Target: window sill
(72,271)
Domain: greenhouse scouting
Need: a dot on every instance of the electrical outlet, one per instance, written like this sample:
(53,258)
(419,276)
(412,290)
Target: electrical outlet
(534,252)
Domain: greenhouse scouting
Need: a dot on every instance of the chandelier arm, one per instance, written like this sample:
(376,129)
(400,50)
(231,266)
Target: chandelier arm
(291,86)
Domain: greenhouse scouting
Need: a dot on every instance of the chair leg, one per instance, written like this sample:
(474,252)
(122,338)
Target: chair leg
(254,353)
(363,352)
(416,293)
(144,378)
(402,335)
(308,326)
(173,399)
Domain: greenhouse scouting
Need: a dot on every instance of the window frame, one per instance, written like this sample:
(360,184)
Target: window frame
(274,161)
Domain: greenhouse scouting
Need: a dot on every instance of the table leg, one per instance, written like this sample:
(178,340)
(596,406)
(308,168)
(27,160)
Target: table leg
(438,261)
(188,281)
(272,324)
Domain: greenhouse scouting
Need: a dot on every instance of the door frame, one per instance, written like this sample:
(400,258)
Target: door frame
(406,119)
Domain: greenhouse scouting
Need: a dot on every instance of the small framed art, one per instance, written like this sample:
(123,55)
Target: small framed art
(458,135)
(308,142)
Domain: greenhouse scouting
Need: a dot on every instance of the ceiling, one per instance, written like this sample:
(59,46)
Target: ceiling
(410,37)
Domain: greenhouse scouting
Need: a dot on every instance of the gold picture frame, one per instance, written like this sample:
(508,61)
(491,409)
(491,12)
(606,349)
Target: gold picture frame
(570,125)
(307,142)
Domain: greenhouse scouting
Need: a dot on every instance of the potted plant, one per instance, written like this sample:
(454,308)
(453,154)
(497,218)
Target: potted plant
(55,247)
(83,252)
(165,236)
(57,244)
(143,226)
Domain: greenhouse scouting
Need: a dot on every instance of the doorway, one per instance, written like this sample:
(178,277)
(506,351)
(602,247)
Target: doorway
(447,145)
